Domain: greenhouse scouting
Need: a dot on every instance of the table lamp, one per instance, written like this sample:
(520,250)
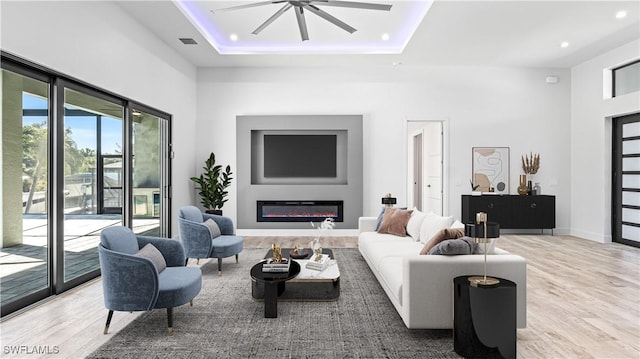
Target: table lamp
(388,201)
(482,231)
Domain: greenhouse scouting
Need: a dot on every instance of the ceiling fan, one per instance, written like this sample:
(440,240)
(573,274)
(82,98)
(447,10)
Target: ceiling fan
(300,6)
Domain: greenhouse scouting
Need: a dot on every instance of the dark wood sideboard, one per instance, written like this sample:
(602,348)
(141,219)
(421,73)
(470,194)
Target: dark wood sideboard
(512,211)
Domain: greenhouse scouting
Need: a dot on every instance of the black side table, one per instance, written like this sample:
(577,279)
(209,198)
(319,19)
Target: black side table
(274,285)
(484,319)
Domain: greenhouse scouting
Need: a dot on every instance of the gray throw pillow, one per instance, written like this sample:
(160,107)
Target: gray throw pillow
(214,229)
(452,247)
(153,254)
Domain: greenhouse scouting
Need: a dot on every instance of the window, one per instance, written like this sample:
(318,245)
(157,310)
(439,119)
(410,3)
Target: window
(626,79)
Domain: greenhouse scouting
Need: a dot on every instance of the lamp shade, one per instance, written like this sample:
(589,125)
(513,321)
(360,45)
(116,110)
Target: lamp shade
(477,230)
(388,200)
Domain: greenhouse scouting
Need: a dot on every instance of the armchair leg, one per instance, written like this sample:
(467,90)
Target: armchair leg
(186,261)
(236,258)
(191,302)
(219,266)
(170,321)
(106,326)
(197,260)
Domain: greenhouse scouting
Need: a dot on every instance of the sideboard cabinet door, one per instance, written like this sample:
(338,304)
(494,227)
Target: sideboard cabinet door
(533,212)
(495,206)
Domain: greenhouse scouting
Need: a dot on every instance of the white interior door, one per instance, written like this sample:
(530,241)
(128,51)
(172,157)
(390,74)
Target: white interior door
(425,165)
(433,167)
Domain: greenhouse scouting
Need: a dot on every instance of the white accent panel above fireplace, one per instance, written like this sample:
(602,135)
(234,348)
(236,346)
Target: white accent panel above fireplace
(343,185)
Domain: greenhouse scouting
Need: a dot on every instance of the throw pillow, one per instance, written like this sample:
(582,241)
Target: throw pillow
(395,221)
(452,247)
(432,224)
(415,221)
(491,247)
(379,221)
(442,235)
(213,228)
(153,254)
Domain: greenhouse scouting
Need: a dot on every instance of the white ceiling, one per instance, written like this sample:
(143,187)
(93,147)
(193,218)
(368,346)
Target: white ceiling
(477,33)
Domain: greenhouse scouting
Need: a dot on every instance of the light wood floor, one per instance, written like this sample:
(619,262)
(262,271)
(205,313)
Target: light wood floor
(583,301)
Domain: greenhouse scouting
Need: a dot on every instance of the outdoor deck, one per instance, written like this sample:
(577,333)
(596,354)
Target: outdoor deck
(24,267)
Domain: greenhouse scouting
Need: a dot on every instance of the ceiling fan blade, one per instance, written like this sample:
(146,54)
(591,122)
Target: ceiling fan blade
(332,19)
(272,19)
(353,4)
(302,23)
(255,4)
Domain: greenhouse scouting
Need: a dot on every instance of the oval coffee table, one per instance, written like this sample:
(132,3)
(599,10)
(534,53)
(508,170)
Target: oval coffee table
(274,285)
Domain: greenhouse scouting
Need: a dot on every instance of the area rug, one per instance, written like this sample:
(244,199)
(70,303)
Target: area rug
(226,322)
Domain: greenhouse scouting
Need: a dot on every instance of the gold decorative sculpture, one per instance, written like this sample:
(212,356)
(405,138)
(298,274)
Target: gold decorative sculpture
(277,253)
(531,163)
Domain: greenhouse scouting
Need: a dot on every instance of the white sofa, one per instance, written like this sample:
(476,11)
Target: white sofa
(421,286)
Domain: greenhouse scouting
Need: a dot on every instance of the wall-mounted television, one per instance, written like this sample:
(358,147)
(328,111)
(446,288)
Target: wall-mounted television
(300,156)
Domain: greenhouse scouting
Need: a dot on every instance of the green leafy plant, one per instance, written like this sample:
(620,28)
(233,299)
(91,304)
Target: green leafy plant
(212,184)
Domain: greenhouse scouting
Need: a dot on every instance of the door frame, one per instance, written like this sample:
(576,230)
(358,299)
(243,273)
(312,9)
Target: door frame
(445,158)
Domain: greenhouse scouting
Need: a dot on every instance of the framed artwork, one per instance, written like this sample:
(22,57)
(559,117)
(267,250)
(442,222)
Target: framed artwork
(490,168)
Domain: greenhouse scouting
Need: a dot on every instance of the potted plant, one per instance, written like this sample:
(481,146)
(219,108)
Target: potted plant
(212,185)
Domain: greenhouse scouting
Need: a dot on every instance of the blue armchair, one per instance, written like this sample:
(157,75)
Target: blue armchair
(137,277)
(199,241)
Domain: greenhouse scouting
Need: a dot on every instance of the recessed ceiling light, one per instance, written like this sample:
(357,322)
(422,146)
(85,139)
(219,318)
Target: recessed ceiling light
(385,37)
(397,63)
(233,37)
(621,14)
(564,44)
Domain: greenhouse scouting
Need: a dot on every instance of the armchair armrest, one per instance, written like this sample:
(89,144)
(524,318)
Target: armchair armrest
(195,238)
(171,249)
(130,283)
(225,223)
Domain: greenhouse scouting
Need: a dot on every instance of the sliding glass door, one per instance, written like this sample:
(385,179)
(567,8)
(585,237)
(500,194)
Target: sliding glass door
(26,221)
(151,153)
(75,160)
(93,178)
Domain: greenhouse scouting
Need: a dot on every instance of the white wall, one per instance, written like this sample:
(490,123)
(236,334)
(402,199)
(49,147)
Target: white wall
(100,44)
(591,141)
(500,107)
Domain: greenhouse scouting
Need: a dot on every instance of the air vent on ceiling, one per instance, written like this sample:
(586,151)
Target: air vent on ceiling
(188,41)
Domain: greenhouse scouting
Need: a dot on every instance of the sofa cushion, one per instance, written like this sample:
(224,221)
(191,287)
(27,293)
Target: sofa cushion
(153,254)
(379,220)
(378,250)
(391,272)
(452,247)
(395,221)
(442,235)
(415,221)
(432,224)
(214,229)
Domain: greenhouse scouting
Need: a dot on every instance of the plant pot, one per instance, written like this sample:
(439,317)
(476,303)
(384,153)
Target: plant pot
(214,211)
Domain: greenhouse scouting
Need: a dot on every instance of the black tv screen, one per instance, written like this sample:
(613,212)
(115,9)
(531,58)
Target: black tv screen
(302,156)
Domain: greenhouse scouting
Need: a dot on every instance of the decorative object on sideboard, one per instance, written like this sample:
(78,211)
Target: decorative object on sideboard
(388,200)
(522,186)
(482,231)
(530,166)
(537,191)
(490,168)
(212,185)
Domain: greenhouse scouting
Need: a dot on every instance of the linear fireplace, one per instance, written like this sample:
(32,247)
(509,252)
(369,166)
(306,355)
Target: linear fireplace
(299,211)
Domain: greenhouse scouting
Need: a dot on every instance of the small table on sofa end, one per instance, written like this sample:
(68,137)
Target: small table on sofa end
(484,319)
(274,285)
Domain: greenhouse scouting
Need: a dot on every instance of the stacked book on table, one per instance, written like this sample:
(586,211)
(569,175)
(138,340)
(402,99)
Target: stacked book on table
(271,266)
(320,264)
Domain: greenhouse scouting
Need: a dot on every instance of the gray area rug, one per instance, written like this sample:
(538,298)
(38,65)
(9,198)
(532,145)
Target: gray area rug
(226,322)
